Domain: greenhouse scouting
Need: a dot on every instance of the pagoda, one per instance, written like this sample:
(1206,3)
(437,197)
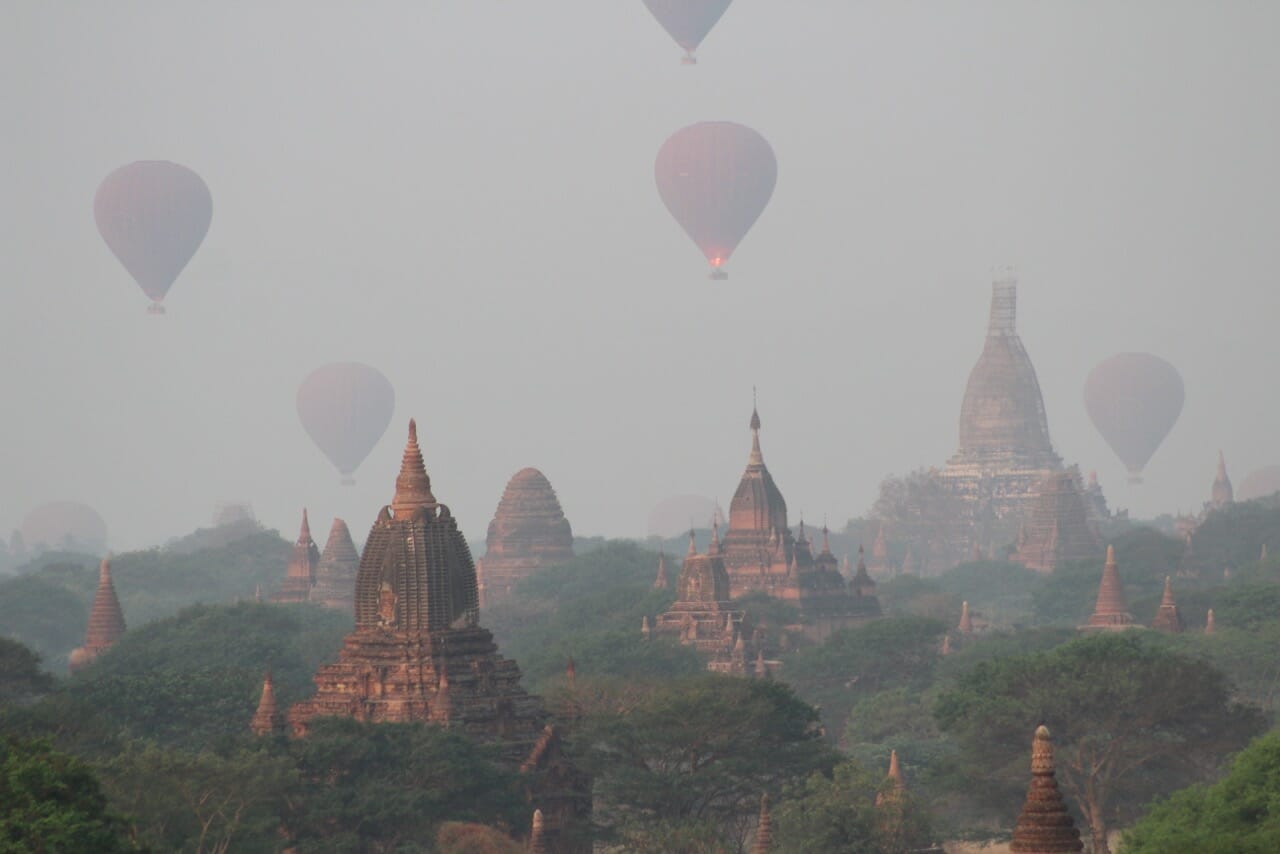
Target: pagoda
(336,572)
(268,719)
(1057,528)
(1110,613)
(528,533)
(300,576)
(764,829)
(702,616)
(106,621)
(1044,826)
(880,565)
(1222,495)
(662,581)
(1168,617)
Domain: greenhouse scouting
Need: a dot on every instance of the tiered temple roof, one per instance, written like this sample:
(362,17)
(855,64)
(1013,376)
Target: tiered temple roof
(528,532)
(1057,528)
(106,621)
(336,573)
(702,615)
(1168,617)
(301,574)
(1110,612)
(1044,826)
(418,652)
(764,829)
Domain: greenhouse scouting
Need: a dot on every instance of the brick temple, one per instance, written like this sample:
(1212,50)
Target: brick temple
(300,575)
(1044,826)
(106,621)
(336,572)
(529,531)
(1056,528)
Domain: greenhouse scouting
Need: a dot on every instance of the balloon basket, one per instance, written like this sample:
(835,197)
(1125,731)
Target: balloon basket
(155,308)
(718,275)
(1135,480)
(688,59)
(347,481)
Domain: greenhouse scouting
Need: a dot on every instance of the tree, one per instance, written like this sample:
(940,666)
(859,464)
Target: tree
(1128,717)
(1239,814)
(838,814)
(21,679)
(690,760)
(50,801)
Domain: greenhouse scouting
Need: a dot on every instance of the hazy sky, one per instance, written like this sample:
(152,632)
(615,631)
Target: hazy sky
(462,194)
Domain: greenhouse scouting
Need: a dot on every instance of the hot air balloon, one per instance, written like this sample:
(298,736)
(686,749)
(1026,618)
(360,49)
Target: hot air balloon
(345,408)
(153,215)
(1134,399)
(688,21)
(716,178)
(66,525)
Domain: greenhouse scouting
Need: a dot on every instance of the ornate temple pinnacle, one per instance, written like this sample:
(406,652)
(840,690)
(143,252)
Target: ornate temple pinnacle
(693,544)
(764,829)
(413,486)
(304,533)
(1042,751)
(756,458)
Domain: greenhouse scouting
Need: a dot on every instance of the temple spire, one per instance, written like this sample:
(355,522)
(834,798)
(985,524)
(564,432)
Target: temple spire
(1044,826)
(537,839)
(1209,627)
(693,545)
(662,582)
(756,458)
(1168,618)
(764,829)
(1222,494)
(714,548)
(413,486)
(892,788)
(268,719)
(966,623)
(304,533)
(1110,611)
(106,620)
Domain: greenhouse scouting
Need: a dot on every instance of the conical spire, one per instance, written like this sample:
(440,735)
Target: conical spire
(646,631)
(1044,825)
(714,548)
(106,620)
(756,458)
(893,785)
(966,623)
(1209,627)
(1168,618)
(1110,611)
(764,829)
(1222,493)
(304,533)
(268,719)
(662,582)
(413,486)
(537,842)
(946,645)
(336,572)
(570,670)
(693,545)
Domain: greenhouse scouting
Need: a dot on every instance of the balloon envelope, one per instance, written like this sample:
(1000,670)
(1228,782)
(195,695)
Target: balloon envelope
(153,215)
(1259,484)
(67,525)
(688,21)
(1134,399)
(716,178)
(345,408)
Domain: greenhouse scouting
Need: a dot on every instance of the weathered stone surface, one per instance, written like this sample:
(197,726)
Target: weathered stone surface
(268,719)
(1168,618)
(418,652)
(1057,527)
(702,616)
(336,572)
(1110,613)
(529,532)
(300,576)
(1044,826)
(106,621)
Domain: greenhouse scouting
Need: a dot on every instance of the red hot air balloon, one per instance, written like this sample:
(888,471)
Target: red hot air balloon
(345,408)
(1134,399)
(153,215)
(716,178)
(688,21)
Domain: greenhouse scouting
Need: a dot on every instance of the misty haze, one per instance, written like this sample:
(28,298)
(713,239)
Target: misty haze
(645,425)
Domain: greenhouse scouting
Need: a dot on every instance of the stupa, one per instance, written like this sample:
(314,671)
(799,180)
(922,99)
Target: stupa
(893,787)
(1168,618)
(880,565)
(702,615)
(268,719)
(300,576)
(764,829)
(1110,613)
(1044,826)
(106,621)
(1222,494)
(528,532)
(336,572)
(1057,528)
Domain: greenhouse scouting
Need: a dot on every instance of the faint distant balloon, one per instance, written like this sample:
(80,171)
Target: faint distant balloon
(1134,399)
(1259,484)
(678,513)
(688,21)
(65,525)
(345,408)
(153,215)
(716,179)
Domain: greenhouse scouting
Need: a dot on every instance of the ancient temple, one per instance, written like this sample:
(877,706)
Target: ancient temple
(1044,826)
(1056,529)
(761,553)
(268,719)
(529,532)
(1209,624)
(418,652)
(106,621)
(764,829)
(336,572)
(1168,618)
(300,576)
(1222,494)
(894,785)
(662,581)
(965,626)
(880,565)
(1095,503)
(1110,613)
(702,615)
